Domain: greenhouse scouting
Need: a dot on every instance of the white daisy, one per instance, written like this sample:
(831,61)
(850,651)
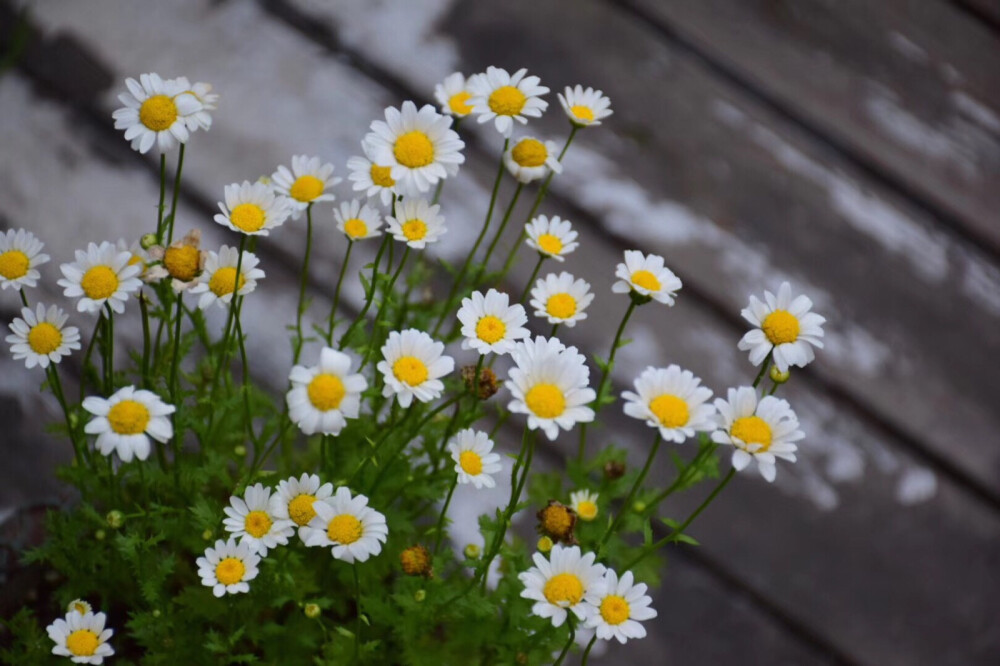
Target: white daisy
(560,583)
(584,503)
(475,462)
(125,421)
(784,327)
(372,178)
(416,223)
(561,299)
(79,606)
(40,336)
(201,119)
(490,323)
(453,94)
(647,277)
(585,107)
(505,97)
(249,519)
(413,366)
(324,396)
(137,256)
(252,208)
(228,567)
(306,183)
(549,383)
(554,238)
(357,221)
(218,278)
(100,275)
(82,638)
(760,431)
(672,400)
(20,256)
(294,499)
(355,530)
(620,607)
(530,159)
(420,146)
(155,111)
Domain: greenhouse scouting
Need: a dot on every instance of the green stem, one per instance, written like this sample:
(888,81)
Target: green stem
(682,478)
(302,287)
(531,280)
(763,369)
(144,309)
(163,196)
(98,328)
(369,297)
(248,413)
(336,294)
(176,191)
(383,307)
(357,620)
(496,237)
(586,653)
(555,329)
(109,352)
(569,643)
(627,505)
(437,191)
(57,389)
(24,298)
(439,533)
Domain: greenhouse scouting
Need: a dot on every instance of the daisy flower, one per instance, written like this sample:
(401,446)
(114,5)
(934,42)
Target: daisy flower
(82,638)
(100,275)
(155,111)
(201,119)
(20,257)
(672,400)
(475,462)
(621,605)
(585,107)
(79,606)
(357,221)
(647,277)
(490,323)
(228,567)
(125,422)
(761,431)
(554,238)
(784,327)
(182,262)
(249,519)
(40,336)
(355,530)
(252,208)
(584,503)
(560,583)
(418,145)
(416,223)
(549,384)
(217,281)
(497,94)
(293,499)
(413,366)
(561,299)
(306,183)
(372,178)
(453,94)
(324,396)
(530,159)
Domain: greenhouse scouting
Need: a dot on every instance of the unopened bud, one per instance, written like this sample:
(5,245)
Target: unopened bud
(239,450)
(419,595)
(147,241)
(416,561)
(472,551)
(99,535)
(614,469)
(115,519)
(544,544)
(156,613)
(312,611)
(777,376)
(488,384)
(638,506)
(207,535)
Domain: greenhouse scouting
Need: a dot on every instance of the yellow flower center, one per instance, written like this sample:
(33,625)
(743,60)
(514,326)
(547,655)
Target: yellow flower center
(14,264)
(382,176)
(306,188)
(530,153)
(257,524)
(586,509)
(457,103)
(556,520)
(182,262)
(646,280)
(561,306)
(752,430)
(615,609)
(355,228)
(471,463)
(780,327)
(44,338)
(546,401)
(301,509)
(99,282)
(128,417)
(564,588)
(344,529)
(82,643)
(158,113)
(326,391)
(414,149)
(247,217)
(414,230)
(550,244)
(230,571)
(582,112)
(410,370)
(669,410)
(507,101)
(224,281)
(490,329)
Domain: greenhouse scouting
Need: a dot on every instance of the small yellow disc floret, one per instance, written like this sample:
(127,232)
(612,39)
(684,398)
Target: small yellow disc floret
(561,306)
(669,410)
(490,329)
(564,589)
(344,529)
(158,113)
(646,280)
(223,281)
(306,188)
(99,282)
(781,327)
(128,417)
(471,462)
(182,262)
(410,370)
(301,509)
(44,338)
(247,217)
(230,571)
(507,101)
(82,643)
(14,264)
(530,153)
(326,391)
(546,401)
(752,430)
(257,524)
(614,609)
(414,150)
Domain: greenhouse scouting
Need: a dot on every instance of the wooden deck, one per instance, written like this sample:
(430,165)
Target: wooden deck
(852,148)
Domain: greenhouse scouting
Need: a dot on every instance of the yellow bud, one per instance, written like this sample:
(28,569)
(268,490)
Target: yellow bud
(239,450)
(472,551)
(99,535)
(312,611)
(207,535)
(777,376)
(419,595)
(115,519)
(639,506)
(544,544)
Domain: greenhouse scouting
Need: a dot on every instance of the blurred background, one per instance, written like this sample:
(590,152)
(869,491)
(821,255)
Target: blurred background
(848,146)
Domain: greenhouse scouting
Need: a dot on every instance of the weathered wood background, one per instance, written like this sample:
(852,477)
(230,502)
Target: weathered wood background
(850,147)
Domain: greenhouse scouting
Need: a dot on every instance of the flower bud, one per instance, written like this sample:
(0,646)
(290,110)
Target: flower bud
(638,506)
(416,561)
(147,241)
(614,469)
(777,376)
(557,521)
(207,535)
(488,384)
(544,544)
(312,611)
(239,450)
(115,519)
(99,535)
(156,613)
(472,551)
(419,595)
